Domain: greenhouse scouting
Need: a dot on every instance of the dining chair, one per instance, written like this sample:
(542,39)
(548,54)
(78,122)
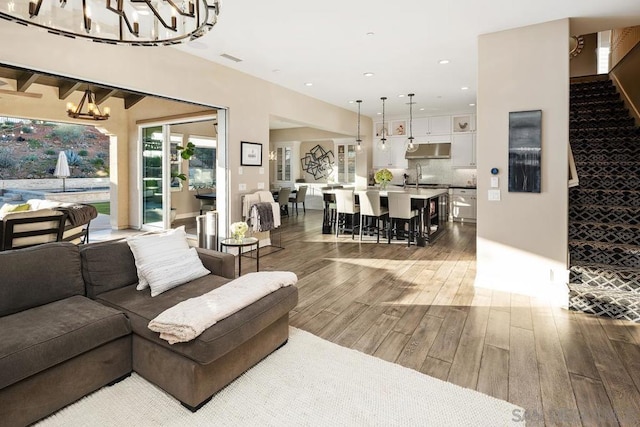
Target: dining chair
(206,204)
(370,207)
(299,197)
(346,206)
(283,200)
(400,210)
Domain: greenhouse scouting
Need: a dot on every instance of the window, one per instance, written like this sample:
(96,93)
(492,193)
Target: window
(202,166)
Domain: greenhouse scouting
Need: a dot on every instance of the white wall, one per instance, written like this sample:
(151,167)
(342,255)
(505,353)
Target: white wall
(522,239)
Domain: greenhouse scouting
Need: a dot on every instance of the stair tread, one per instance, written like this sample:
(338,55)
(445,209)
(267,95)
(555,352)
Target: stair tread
(602,245)
(613,268)
(601,292)
(605,224)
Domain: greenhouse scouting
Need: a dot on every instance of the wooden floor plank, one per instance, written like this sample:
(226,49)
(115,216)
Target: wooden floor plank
(558,401)
(622,392)
(446,342)
(498,329)
(593,402)
(375,335)
(466,363)
(493,377)
(417,348)
(577,353)
(436,368)
(524,380)
(392,345)
(521,312)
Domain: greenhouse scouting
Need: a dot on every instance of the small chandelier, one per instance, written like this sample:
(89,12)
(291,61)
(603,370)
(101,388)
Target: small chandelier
(411,147)
(358,140)
(383,140)
(93,111)
(131,22)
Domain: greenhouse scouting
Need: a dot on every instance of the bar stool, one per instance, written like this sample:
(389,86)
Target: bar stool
(400,209)
(346,206)
(370,207)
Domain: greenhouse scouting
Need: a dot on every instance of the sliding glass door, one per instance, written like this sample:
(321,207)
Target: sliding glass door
(152,185)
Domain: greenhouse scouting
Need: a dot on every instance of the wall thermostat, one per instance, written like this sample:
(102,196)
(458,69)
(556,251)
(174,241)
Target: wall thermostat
(494,171)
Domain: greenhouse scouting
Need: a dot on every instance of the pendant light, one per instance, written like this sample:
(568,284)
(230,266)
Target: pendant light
(358,140)
(411,147)
(383,140)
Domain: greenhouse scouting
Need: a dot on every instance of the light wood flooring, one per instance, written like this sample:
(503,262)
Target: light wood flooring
(418,307)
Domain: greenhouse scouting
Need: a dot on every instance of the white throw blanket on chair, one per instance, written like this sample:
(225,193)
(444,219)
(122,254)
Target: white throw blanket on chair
(188,319)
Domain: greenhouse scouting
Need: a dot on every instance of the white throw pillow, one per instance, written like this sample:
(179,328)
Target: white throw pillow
(165,274)
(148,248)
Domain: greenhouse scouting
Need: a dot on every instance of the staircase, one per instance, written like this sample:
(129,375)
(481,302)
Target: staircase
(604,210)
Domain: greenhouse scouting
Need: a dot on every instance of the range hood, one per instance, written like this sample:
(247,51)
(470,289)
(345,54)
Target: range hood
(431,151)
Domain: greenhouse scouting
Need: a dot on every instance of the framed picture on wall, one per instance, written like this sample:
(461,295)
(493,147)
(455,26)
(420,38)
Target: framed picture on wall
(398,128)
(250,153)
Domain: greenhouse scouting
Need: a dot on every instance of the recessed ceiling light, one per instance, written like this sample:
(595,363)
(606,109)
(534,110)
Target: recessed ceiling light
(472,105)
(368,74)
(443,61)
(464,88)
(422,109)
(371,33)
(379,114)
(351,101)
(308,84)
(401,96)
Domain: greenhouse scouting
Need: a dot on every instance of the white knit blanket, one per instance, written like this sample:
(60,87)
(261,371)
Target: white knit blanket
(185,321)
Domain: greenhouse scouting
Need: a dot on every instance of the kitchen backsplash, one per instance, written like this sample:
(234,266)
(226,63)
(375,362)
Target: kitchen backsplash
(439,171)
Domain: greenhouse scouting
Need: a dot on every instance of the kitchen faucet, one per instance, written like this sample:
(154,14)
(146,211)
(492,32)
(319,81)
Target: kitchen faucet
(418,175)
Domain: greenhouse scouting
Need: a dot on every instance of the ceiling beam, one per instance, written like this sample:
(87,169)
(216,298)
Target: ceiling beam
(104,94)
(131,100)
(25,80)
(67,88)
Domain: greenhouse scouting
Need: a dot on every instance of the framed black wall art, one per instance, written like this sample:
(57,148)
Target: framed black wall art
(525,150)
(250,154)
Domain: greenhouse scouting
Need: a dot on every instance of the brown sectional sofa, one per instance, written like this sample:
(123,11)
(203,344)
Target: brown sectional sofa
(56,345)
(192,372)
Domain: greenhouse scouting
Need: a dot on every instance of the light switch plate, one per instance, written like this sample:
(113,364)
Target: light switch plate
(242,187)
(494,195)
(495,182)
(261,186)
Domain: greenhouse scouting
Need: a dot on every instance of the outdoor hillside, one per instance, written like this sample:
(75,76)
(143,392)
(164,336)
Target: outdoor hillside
(29,149)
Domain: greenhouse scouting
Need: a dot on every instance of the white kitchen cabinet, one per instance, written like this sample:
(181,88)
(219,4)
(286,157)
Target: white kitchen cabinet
(463,204)
(346,163)
(430,126)
(392,156)
(463,150)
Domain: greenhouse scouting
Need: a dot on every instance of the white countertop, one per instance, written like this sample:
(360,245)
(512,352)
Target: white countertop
(421,193)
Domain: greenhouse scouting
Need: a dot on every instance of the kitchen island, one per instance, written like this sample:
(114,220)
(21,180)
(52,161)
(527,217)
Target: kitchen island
(427,201)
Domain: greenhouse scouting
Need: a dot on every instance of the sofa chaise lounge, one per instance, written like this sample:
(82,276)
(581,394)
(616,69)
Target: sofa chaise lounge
(192,372)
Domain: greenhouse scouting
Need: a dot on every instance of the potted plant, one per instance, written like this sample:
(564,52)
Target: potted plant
(186,153)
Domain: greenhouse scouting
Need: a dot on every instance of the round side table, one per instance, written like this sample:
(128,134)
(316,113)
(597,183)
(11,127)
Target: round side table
(240,244)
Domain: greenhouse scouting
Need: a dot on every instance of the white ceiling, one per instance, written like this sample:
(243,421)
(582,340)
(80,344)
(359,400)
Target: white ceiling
(291,42)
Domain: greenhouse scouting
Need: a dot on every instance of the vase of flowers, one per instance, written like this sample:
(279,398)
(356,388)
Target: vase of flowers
(383,177)
(238,230)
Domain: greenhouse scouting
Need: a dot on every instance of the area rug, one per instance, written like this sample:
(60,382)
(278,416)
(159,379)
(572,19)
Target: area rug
(308,382)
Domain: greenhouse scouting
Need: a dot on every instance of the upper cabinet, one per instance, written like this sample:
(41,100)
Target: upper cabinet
(428,126)
(463,151)
(463,123)
(392,156)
